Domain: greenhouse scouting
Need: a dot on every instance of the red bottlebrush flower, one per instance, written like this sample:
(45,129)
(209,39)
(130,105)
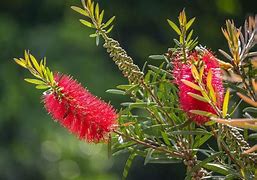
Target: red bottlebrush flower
(183,71)
(79,111)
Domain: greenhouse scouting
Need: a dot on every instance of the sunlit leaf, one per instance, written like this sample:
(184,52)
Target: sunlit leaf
(97,11)
(190,84)
(34,81)
(110,29)
(20,62)
(210,87)
(225,104)
(79,10)
(189,24)
(101,17)
(109,22)
(86,23)
(195,72)
(174,27)
(42,87)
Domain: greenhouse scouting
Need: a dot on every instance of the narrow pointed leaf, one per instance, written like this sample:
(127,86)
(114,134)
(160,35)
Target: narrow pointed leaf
(128,165)
(116,91)
(110,29)
(86,23)
(225,104)
(42,86)
(101,17)
(79,10)
(190,84)
(34,81)
(109,22)
(203,113)
(198,97)
(20,62)
(210,87)
(189,24)
(174,27)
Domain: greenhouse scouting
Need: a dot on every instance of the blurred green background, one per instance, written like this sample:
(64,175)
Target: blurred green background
(32,146)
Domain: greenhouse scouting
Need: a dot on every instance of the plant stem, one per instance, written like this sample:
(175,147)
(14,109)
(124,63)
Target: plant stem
(153,146)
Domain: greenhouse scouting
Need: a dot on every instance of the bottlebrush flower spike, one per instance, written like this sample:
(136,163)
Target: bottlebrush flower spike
(79,111)
(182,71)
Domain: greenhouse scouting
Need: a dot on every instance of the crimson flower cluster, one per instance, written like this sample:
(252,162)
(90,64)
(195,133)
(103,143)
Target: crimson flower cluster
(83,114)
(182,70)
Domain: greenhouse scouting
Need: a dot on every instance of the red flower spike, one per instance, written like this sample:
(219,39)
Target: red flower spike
(83,114)
(183,71)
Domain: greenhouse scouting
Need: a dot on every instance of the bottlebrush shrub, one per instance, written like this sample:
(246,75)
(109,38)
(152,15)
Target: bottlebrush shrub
(177,111)
(70,104)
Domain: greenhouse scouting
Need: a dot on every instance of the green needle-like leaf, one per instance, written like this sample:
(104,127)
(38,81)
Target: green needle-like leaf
(86,23)
(79,10)
(174,27)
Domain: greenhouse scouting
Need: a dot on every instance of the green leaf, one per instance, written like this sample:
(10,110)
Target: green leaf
(35,63)
(159,158)
(250,110)
(201,140)
(20,62)
(97,11)
(225,104)
(110,29)
(42,87)
(166,160)
(86,23)
(218,168)
(34,81)
(198,97)
(189,35)
(93,35)
(159,70)
(101,17)
(79,10)
(165,138)
(253,136)
(157,57)
(116,91)
(97,39)
(109,22)
(189,24)
(148,156)
(190,84)
(128,165)
(174,27)
(141,105)
(203,113)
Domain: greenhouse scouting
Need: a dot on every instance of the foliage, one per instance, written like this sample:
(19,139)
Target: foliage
(153,125)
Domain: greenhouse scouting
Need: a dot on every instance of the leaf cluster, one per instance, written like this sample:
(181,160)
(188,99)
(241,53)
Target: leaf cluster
(95,18)
(44,76)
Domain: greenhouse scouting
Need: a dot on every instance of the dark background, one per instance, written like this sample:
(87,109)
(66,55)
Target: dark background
(32,146)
